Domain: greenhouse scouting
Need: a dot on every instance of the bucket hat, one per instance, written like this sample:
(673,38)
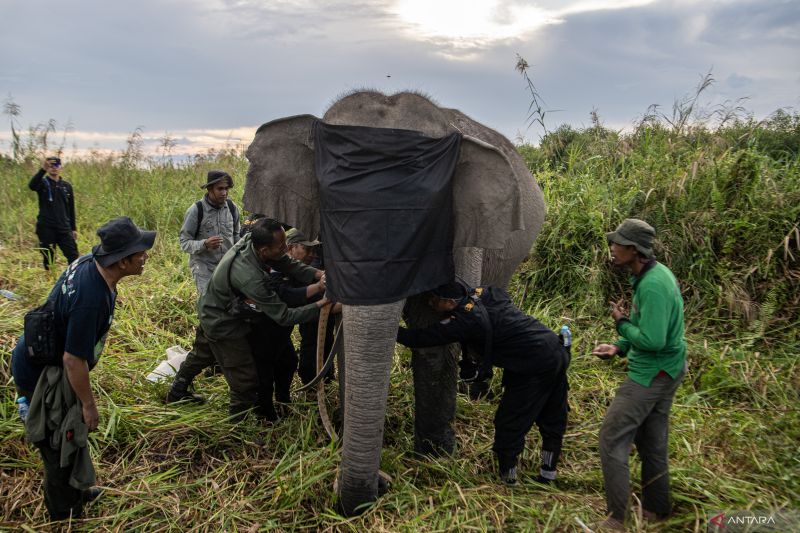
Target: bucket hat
(634,232)
(215,176)
(119,238)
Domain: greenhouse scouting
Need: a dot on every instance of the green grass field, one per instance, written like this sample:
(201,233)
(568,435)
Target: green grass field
(726,204)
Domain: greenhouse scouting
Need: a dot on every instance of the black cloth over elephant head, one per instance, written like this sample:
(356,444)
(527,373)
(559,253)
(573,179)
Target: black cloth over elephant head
(386,205)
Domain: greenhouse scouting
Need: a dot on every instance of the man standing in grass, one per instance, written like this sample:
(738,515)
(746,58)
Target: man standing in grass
(55,224)
(652,338)
(533,360)
(62,407)
(210,228)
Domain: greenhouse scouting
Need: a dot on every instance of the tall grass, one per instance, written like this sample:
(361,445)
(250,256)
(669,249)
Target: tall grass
(725,204)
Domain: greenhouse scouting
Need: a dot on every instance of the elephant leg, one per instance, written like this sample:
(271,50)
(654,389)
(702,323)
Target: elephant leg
(435,372)
(436,369)
(435,381)
(370,333)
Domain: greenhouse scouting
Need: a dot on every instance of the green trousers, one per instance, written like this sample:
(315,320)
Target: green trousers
(238,366)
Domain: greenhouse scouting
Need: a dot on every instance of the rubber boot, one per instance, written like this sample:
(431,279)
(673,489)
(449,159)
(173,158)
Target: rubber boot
(508,469)
(179,392)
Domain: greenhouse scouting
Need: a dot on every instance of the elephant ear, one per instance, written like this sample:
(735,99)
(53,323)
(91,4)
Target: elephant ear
(281,182)
(486,196)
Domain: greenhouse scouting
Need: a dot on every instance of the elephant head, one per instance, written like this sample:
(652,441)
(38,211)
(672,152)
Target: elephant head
(498,210)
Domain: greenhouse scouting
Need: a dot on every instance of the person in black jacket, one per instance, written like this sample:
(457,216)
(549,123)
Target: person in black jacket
(533,360)
(55,224)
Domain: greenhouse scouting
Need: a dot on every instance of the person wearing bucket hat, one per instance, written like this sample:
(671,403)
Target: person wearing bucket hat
(82,302)
(652,338)
(210,227)
(55,224)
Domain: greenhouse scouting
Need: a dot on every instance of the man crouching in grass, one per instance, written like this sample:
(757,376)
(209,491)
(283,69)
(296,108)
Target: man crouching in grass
(63,409)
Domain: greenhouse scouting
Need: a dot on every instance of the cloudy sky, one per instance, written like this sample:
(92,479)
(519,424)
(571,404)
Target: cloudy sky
(208,72)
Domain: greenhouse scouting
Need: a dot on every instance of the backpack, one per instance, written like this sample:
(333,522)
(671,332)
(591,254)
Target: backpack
(231,206)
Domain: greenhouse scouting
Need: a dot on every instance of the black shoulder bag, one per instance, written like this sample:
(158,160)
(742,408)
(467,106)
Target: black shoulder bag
(41,339)
(40,335)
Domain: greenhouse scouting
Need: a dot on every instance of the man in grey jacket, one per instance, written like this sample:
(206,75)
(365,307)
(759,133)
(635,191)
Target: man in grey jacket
(210,228)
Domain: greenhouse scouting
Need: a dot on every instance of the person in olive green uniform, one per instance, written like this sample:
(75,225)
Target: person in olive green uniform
(243,275)
(652,339)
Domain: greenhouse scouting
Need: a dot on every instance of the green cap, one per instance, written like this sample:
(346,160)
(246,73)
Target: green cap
(634,232)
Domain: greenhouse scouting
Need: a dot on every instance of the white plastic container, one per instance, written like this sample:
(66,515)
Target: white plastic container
(176,355)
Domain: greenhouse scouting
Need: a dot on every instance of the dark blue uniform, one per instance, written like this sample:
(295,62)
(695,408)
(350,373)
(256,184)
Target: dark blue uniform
(534,364)
(56,220)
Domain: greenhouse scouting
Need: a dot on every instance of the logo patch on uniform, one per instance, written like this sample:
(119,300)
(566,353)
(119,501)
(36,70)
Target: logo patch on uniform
(478,291)
(468,306)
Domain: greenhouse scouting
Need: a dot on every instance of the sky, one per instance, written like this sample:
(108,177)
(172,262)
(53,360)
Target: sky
(207,73)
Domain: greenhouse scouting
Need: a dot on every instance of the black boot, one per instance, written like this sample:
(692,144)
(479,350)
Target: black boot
(90,494)
(480,390)
(507,466)
(179,392)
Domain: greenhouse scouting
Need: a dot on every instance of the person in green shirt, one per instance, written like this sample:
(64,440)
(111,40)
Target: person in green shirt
(652,339)
(240,285)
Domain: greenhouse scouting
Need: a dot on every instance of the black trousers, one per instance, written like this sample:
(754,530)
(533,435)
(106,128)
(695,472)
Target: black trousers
(539,398)
(276,360)
(308,348)
(49,238)
(60,498)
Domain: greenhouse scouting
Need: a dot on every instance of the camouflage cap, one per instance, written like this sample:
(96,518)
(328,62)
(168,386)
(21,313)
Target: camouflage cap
(634,232)
(295,236)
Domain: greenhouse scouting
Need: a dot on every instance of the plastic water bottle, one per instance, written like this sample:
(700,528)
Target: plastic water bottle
(23,406)
(566,336)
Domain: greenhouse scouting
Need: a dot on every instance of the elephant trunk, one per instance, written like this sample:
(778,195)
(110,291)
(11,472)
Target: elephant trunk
(369,337)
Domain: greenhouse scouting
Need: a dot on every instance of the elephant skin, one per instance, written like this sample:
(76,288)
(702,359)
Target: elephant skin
(498,211)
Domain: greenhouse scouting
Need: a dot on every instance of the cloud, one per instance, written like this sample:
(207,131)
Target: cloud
(196,66)
(735,81)
(472,25)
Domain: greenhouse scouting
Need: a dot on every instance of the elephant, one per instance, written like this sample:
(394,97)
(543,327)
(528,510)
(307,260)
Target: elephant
(498,212)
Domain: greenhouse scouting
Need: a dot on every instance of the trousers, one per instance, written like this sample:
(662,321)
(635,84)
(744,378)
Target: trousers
(638,415)
(235,358)
(49,238)
(532,398)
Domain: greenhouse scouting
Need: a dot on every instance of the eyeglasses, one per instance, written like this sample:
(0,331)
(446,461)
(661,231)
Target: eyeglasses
(55,165)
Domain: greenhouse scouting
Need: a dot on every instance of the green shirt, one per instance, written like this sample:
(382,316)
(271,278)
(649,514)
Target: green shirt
(653,336)
(249,277)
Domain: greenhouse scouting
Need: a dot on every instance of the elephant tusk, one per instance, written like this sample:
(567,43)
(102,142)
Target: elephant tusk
(336,348)
(322,331)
